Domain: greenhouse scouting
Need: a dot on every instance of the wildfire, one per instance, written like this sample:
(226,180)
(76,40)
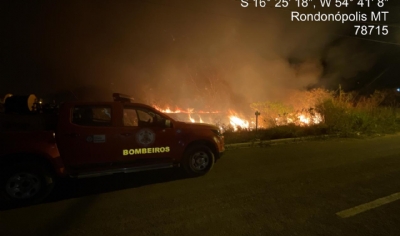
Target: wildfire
(299,119)
(167,110)
(310,119)
(188,110)
(304,119)
(191,119)
(236,122)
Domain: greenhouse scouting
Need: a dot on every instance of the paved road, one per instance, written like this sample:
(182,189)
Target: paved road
(290,189)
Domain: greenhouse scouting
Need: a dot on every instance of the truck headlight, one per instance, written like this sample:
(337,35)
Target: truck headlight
(217,132)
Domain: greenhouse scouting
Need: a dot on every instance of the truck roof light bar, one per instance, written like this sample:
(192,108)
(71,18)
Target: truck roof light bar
(119,97)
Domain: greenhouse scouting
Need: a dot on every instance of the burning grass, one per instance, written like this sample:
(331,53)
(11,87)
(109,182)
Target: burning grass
(315,112)
(340,114)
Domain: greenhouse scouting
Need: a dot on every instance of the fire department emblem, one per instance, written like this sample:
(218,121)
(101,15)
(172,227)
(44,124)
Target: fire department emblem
(145,137)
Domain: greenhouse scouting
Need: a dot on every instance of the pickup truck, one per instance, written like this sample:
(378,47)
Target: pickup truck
(88,139)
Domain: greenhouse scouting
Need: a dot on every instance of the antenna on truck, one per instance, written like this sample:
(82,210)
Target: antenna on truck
(119,97)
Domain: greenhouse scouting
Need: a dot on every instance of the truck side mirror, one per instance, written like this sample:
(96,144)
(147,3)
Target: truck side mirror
(168,123)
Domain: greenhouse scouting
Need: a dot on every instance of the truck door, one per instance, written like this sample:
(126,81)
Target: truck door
(145,138)
(85,134)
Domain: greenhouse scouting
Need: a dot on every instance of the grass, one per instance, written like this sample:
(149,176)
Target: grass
(278,132)
(343,114)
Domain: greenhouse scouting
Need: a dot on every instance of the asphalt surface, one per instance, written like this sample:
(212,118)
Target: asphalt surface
(288,189)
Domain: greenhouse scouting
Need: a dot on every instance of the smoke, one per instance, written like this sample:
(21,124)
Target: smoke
(197,54)
(347,59)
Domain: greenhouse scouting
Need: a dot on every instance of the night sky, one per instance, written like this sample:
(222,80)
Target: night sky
(187,53)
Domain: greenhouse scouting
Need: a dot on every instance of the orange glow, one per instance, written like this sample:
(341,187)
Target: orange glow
(168,110)
(191,119)
(236,122)
(304,119)
(188,110)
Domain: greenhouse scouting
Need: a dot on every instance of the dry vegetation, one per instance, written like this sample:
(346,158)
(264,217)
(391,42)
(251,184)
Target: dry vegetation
(329,112)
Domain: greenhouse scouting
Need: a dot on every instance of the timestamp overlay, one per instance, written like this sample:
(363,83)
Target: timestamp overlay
(368,16)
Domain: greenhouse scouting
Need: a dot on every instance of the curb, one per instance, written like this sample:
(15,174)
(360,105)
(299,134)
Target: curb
(266,143)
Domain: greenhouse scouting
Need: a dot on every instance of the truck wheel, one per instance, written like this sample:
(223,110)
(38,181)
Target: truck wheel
(198,160)
(25,183)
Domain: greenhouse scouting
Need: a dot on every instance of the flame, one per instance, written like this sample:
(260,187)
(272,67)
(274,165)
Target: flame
(236,122)
(191,119)
(304,119)
(168,110)
(188,110)
(310,119)
(239,122)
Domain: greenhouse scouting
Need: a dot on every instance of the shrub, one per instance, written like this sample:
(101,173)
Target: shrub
(346,114)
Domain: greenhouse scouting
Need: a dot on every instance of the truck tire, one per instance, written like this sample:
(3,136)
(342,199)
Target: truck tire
(25,183)
(198,160)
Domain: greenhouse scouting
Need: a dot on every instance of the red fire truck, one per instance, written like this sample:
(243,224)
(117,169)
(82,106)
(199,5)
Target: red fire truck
(88,139)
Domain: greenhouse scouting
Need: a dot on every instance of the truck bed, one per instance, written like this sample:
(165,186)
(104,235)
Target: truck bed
(27,122)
